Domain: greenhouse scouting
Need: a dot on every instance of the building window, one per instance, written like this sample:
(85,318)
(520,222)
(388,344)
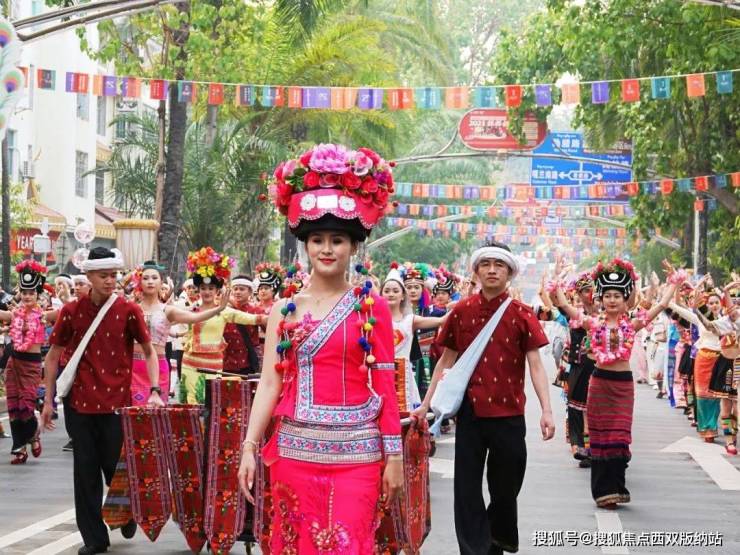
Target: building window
(99,183)
(102,115)
(81,174)
(123,128)
(83,106)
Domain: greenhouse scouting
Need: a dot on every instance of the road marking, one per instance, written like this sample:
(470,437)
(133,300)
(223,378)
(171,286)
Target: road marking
(709,457)
(445,467)
(58,546)
(611,524)
(33,529)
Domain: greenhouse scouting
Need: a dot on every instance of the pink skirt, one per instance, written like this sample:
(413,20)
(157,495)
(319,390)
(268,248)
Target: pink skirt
(140,384)
(324,508)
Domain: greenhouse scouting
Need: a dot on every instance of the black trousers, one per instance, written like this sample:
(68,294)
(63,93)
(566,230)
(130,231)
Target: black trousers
(485,530)
(97,440)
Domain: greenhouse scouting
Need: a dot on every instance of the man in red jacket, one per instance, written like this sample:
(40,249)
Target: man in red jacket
(490,422)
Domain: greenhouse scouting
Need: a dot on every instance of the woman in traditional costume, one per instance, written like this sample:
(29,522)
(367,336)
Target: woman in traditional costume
(405,323)
(713,383)
(611,392)
(203,358)
(159,318)
(269,278)
(23,370)
(328,377)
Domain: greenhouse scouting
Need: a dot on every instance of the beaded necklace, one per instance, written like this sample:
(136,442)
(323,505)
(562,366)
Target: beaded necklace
(363,306)
(610,345)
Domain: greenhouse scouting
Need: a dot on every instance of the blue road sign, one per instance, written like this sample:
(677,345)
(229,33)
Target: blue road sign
(556,171)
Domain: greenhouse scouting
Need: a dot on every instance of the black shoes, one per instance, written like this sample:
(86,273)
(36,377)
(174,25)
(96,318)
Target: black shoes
(91,550)
(68,446)
(128,530)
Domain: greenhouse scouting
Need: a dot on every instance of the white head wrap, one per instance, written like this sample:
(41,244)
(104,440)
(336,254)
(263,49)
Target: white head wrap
(243,282)
(64,279)
(115,263)
(497,253)
(80,278)
(188,283)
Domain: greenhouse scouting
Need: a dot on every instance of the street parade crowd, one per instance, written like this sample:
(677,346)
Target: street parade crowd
(289,408)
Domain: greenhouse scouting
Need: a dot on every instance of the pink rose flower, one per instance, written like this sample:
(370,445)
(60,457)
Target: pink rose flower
(361,162)
(329,158)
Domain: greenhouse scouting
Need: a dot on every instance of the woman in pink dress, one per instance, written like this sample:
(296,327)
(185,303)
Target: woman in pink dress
(328,376)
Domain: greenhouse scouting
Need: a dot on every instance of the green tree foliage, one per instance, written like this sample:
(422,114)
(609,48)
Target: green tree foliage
(676,137)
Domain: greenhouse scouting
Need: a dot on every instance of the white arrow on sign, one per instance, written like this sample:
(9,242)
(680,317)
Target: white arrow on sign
(709,457)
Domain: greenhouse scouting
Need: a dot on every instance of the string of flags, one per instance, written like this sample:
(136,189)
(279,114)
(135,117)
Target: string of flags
(391,98)
(487,229)
(578,242)
(441,210)
(606,191)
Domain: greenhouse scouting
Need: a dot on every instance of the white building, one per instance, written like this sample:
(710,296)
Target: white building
(56,138)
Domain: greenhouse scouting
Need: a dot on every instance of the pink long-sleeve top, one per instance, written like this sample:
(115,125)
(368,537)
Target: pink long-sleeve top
(325,387)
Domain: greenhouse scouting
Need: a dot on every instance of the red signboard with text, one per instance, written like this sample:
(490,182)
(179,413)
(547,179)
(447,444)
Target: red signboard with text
(488,129)
(21,241)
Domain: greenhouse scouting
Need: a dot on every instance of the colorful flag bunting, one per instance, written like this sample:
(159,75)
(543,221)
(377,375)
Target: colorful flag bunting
(695,85)
(630,90)
(273,97)
(543,95)
(513,95)
(400,99)
(571,93)
(485,97)
(246,95)
(660,87)
(370,99)
(724,82)
(735,179)
(343,98)
(110,85)
(186,91)
(666,186)
(158,89)
(130,87)
(215,94)
(428,98)
(600,92)
(457,98)
(46,79)
(77,82)
(701,183)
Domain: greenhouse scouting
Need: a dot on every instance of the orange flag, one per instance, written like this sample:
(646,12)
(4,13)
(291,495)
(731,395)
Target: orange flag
(571,93)
(695,85)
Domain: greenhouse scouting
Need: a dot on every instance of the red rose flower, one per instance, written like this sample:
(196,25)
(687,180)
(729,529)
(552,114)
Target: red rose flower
(369,185)
(370,154)
(278,174)
(311,180)
(329,180)
(305,158)
(351,181)
(381,198)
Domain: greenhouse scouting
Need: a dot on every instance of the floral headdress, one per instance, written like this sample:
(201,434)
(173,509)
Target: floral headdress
(618,274)
(270,274)
(446,281)
(332,179)
(31,275)
(208,266)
